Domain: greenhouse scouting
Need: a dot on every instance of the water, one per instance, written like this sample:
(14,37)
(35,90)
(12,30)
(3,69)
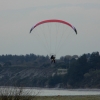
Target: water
(67,92)
(50,92)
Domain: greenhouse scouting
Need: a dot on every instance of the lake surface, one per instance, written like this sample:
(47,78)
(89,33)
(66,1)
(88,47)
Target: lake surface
(53,92)
(65,92)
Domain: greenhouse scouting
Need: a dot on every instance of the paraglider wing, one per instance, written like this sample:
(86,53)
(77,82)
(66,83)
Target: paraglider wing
(54,20)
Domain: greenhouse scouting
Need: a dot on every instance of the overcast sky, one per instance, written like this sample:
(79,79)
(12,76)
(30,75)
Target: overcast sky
(18,16)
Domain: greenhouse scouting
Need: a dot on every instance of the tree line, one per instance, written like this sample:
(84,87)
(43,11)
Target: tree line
(82,71)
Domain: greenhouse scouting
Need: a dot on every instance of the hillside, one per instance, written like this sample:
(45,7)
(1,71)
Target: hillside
(23,76)
(37,71)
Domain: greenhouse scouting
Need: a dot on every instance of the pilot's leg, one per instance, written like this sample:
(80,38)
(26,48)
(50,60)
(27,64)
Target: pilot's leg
(54,61)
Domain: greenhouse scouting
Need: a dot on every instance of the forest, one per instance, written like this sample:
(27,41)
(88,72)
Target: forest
(32,70)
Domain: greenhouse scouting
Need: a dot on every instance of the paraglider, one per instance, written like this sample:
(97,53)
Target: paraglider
(52,58)
(56,46)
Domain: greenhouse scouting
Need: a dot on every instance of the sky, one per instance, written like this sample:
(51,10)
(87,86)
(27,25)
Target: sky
(18,16)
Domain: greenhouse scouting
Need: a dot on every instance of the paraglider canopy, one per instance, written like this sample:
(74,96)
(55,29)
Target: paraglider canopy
(54,20)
